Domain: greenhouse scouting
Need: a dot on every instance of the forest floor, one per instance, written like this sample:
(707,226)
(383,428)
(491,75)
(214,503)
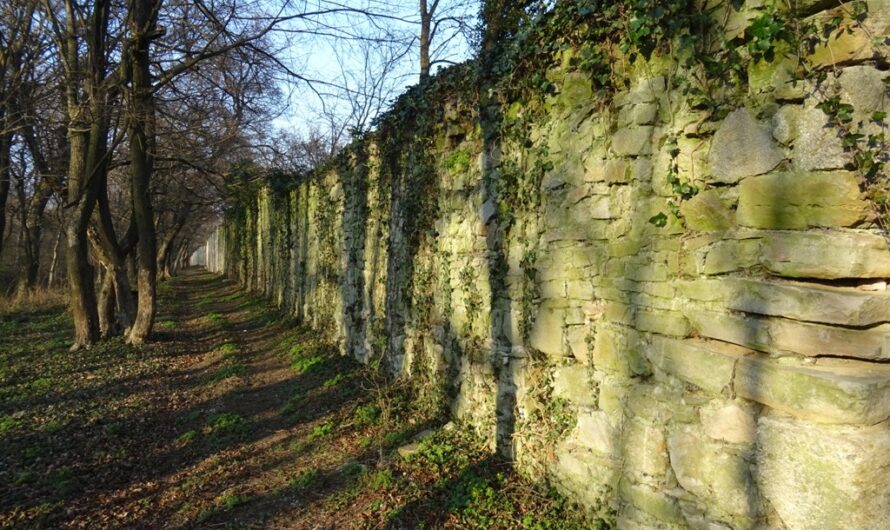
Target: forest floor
(233,417)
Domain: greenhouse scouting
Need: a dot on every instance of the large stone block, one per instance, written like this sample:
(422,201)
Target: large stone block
(572,383)
(633,141)
(825,477)
(815,144)
(619,350)
(591,480)
(800,200)
(801,301)
(655,503)
(782,336)
(711,472)
(644,452)
(547,332)
(729,421)
(595,432)
(576,91)
(827,255)
(706,213)
(863,87)
(706,364)
(826,391)
(742,147)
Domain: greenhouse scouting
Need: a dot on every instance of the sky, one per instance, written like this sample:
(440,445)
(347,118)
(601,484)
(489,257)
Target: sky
(355,74)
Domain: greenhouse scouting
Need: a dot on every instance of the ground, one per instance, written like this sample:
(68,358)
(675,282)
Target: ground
(234,417)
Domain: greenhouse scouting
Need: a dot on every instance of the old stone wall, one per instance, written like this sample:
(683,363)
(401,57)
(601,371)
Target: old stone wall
(675,312)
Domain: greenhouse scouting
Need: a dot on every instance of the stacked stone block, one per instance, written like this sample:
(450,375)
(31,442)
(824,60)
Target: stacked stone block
(727,368)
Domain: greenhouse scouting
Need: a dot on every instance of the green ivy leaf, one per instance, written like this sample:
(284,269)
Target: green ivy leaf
(659,219)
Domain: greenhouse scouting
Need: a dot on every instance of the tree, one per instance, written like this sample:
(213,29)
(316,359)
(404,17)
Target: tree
(449,20)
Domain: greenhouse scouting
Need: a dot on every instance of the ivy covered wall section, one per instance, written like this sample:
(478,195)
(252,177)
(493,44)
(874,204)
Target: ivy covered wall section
(640,247)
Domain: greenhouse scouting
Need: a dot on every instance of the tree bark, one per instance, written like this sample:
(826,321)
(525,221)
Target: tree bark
(33,232)
(141,135)
(426,19)
(5,149)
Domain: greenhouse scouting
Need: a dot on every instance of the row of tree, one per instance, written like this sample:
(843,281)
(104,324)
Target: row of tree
(120,120)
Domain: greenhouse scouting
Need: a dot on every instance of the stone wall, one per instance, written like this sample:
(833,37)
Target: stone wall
(713,358)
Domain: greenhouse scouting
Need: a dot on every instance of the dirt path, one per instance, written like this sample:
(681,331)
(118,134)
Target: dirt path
(231,418)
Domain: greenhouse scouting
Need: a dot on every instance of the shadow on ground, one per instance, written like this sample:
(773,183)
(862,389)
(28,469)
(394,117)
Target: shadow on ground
(233,417)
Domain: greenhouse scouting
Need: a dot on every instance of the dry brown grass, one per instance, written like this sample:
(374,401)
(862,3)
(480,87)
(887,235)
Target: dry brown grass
(36,300)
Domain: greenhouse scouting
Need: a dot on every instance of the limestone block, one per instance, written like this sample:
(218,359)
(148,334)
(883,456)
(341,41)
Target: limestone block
(706,213)
(655,503)
(639,114)
(644,91)
(572,383)
(594,431)
(671,323)
(717,476)
(800,200)
(706,364)
(547,332)
(616,171)
(730,256)
(741,148)
(595,207)
(591,480)
(851,42)
(815,144)
(619,350)
(578,343)
(729,421)
(633,141)
(644,451)
(692,161)
(826,255)
(632,518)
(782,336)
(576,90)
(827,391)
(825,477)
(801,301)
(863,87)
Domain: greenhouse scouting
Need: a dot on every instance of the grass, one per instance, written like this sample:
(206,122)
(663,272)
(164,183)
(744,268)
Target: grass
(305,480)
(224,458)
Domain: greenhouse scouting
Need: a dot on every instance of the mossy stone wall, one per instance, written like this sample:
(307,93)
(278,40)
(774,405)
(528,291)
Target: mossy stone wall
(676,311)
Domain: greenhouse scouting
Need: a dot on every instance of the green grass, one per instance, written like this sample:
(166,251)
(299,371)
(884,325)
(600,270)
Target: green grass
(303,365)
(217,319)
(305,479)
(334,381)
(168,325)
(232,370)
(366,415)
(321,431)
(228,427)
(187,437)
(228,349)
(230,501)
(8,423)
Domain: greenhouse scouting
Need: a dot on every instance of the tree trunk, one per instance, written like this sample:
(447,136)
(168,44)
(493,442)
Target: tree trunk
(425,22)
(53,266)
(82,200)
(106,304)
(141,133)
(33,232)
(5,149)
(113,257)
